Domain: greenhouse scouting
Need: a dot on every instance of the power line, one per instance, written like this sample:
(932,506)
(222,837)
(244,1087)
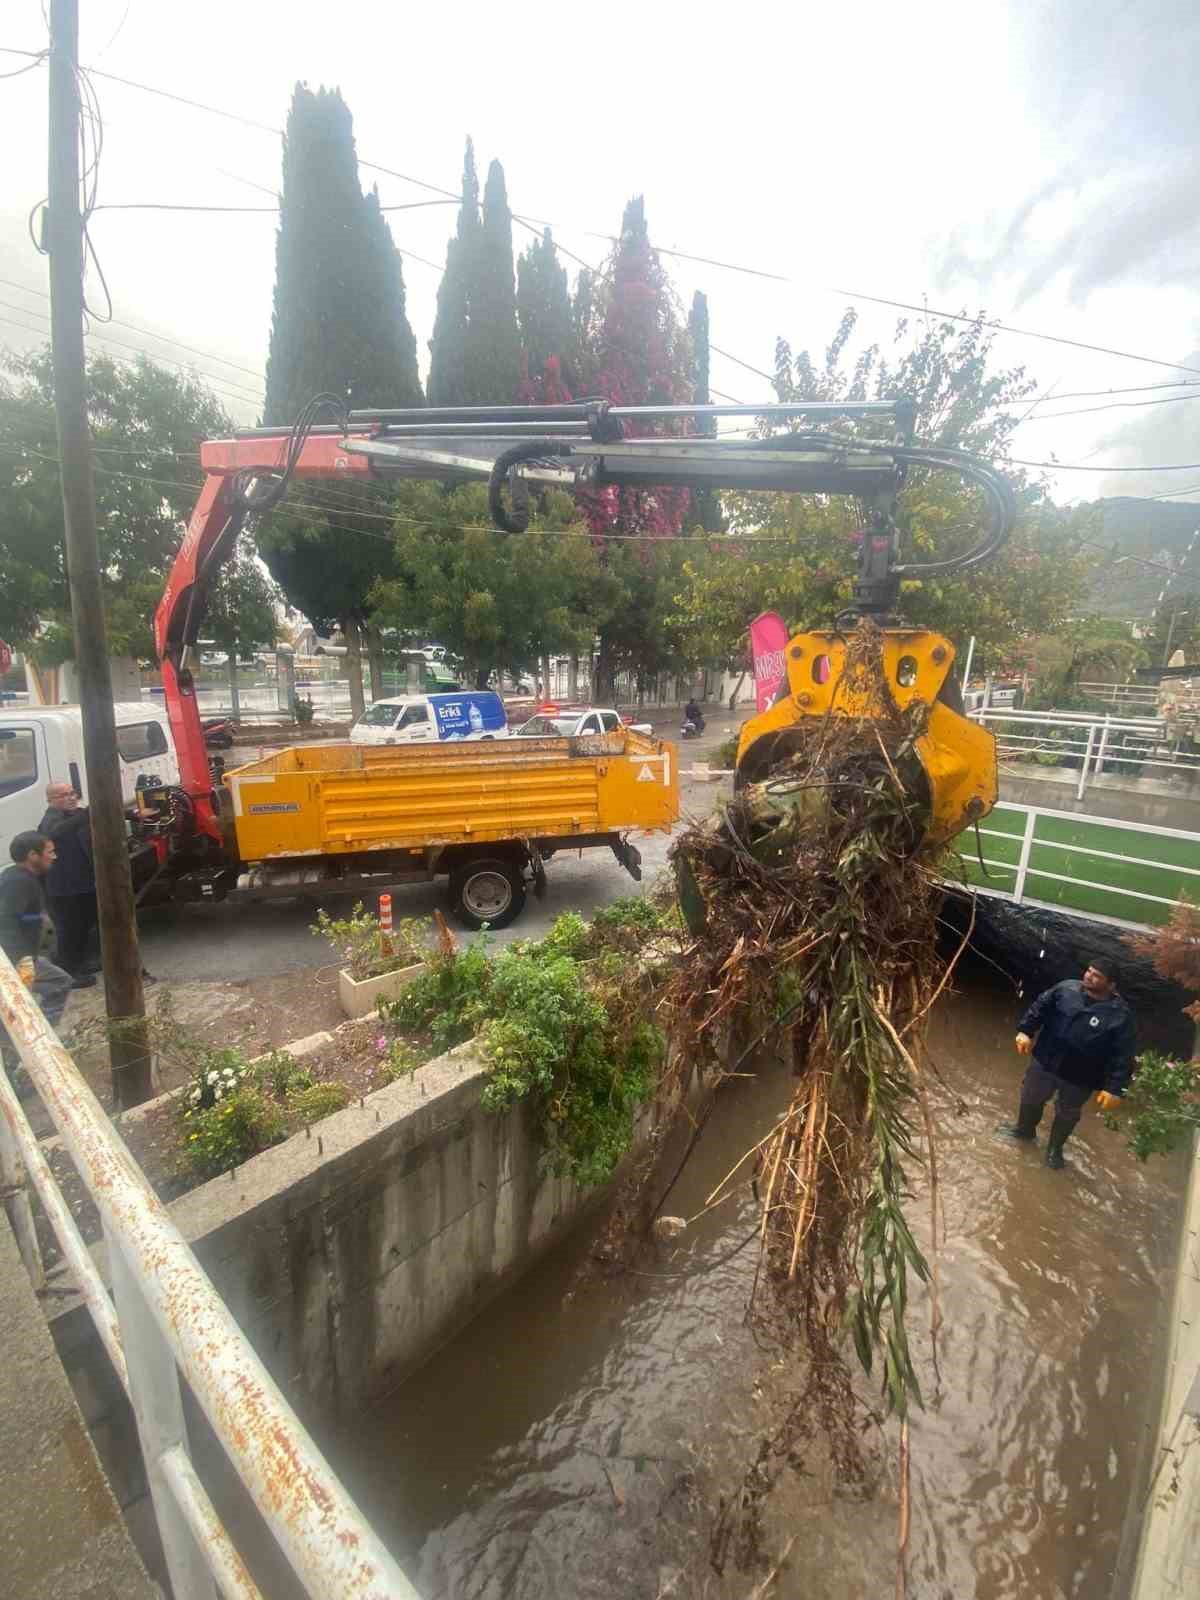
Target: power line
(1067,466)
(1116,405)
(170,205)
(146,333)
(240,390)
(727,266)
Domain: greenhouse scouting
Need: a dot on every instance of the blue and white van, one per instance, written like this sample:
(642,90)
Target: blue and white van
(415,718)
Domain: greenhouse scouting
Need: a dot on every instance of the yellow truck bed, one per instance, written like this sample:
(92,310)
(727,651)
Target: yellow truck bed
(341,799)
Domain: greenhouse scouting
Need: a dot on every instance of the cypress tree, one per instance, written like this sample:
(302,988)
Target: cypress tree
(339,326)
(705,504)
(544,315)
(493,343)
(448,347)
(339,322)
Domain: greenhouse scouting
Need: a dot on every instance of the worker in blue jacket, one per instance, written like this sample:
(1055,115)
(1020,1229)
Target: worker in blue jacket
(1080,1036)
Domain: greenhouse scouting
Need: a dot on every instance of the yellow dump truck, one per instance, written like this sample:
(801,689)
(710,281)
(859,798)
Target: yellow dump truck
(488,815)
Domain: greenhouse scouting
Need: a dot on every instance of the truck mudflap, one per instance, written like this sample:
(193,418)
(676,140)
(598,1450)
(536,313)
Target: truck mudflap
(629,856)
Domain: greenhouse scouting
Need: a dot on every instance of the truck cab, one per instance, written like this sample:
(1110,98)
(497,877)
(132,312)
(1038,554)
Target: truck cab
(44,744)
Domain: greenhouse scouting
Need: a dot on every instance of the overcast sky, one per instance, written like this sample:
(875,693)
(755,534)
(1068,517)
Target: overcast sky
(1039,159)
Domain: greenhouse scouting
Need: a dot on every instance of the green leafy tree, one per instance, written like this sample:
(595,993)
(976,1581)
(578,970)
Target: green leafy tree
(808,574)
(448,381)
(1078,650)
(339,327)
(241,611)
(147,424)
(547,328)
(494,603)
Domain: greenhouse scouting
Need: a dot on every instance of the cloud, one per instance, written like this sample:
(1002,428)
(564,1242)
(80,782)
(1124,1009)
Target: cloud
(1110,86)
(1163,434)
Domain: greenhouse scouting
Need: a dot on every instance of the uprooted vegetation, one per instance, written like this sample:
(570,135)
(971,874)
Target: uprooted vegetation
(812,904)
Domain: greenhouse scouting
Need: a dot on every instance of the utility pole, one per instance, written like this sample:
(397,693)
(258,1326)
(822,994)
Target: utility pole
(129,1044)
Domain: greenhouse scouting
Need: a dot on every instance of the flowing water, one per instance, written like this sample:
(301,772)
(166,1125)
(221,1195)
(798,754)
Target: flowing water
(575,1439)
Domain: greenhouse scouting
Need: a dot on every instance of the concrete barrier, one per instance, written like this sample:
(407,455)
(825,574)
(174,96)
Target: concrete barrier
(350,1254)
(1168,1561)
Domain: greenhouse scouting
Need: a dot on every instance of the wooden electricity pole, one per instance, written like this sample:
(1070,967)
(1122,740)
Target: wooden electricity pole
(129,1048)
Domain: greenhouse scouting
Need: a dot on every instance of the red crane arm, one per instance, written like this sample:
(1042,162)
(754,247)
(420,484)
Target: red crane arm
(210,540)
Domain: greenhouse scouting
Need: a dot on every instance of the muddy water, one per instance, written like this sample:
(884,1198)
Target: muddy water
(575,1444)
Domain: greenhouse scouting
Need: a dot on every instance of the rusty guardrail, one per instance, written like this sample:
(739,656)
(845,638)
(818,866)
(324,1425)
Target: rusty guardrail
(166,1319)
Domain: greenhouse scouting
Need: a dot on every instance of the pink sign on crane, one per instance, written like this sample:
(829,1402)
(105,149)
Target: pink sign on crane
(768,647)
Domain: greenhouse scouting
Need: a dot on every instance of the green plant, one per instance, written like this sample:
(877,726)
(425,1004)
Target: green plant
(228,1131)
(725,755)
(317,1100)
(1161,1107)
(397,1059)
(449,999)
(564,1033)
(282,1074)
(359,942)
(305,710)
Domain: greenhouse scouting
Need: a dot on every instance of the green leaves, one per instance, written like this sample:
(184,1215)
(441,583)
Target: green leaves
(1161,1108)
(147,424)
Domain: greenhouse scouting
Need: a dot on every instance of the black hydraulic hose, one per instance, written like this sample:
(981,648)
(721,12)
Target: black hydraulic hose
(517,520)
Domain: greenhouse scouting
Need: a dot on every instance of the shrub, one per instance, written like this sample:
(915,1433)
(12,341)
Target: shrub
(358,941)
(1161,1107)
(230,1130)
(563,1033)
(317,1100)
(725,755)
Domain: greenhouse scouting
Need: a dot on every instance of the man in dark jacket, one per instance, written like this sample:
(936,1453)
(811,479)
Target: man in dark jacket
(23,920)
(71,881)
(1080,1036)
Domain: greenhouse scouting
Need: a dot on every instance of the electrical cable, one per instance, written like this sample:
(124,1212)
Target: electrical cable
(854,294)
(146,333)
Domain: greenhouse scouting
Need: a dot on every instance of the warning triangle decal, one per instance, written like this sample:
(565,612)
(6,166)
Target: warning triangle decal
(645,776)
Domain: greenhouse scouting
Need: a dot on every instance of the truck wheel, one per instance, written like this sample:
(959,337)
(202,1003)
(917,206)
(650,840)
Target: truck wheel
(488,891)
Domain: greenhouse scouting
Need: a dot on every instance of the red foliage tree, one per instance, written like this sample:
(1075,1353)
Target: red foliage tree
(637,353)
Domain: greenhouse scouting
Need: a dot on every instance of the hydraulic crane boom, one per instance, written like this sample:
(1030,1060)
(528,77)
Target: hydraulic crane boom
(590,444)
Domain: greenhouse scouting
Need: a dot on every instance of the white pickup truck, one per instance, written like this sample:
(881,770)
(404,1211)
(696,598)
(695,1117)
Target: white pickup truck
(575,724)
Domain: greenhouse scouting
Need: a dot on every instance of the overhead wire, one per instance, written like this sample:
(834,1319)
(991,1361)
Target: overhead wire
(728,266)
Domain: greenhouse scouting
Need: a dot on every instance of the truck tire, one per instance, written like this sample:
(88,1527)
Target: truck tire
(488,890)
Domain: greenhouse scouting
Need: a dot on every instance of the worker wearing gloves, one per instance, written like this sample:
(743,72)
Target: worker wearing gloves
(1079,1036)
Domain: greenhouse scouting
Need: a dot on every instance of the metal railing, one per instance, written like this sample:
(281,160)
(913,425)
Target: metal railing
(1132,874)
(166,1321)
(1089,741)
(1136,696)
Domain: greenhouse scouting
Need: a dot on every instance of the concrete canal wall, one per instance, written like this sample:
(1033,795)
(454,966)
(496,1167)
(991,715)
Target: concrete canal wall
(1168,1562)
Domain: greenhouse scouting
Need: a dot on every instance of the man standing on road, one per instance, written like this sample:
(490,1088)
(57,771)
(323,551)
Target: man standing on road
(24,923)
(1080,1037)
(71,880)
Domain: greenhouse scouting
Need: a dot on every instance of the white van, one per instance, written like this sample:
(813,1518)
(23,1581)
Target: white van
(44,744)
(414,718)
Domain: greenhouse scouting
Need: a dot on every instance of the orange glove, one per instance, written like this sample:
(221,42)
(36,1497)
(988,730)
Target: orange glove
(1024,1044)
(1106,1101)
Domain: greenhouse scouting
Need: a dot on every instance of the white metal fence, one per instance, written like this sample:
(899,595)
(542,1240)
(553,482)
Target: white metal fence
(166,1320)
(1093,744)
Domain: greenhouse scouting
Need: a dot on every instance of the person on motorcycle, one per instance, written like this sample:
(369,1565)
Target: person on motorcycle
(693,714)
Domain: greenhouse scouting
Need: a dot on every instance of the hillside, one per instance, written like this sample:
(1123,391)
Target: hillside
(1155,530)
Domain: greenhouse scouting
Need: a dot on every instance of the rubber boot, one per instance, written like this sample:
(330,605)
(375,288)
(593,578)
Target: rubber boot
(1025,1127)
(1060,1132)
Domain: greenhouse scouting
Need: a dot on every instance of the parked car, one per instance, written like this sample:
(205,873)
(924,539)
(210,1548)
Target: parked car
(414,718)
(577,724)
